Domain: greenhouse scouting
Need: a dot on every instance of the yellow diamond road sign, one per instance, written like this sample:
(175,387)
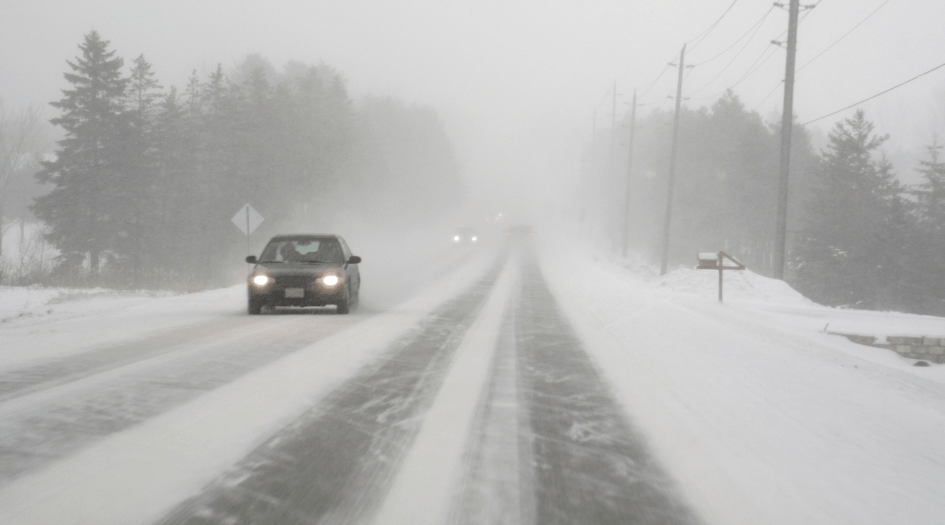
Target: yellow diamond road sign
(247,219)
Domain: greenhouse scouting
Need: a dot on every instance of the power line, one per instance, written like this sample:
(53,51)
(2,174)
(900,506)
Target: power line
(769,95)
(844,35)
(776,86)
(739,39)
(701,37)
(732,61)
(669,65)
(753,29)
(655,80)
(756,65)
(874,96)
(654,103)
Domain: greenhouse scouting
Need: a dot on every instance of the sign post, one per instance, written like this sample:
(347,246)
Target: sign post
(247,220)
(716,261)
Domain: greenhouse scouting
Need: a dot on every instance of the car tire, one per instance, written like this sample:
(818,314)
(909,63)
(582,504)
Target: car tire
(356,299)
(254,307)
(344,304)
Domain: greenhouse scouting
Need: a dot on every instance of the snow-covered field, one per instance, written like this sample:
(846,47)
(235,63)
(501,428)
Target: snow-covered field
(757,412)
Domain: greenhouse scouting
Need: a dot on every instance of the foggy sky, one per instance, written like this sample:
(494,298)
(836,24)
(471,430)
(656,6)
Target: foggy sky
(518,82)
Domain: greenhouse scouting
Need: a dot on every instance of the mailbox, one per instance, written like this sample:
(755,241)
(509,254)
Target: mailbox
(708,261)
(716,261)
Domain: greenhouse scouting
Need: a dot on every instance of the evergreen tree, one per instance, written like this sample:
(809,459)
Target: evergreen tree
(135,205)
(259,175)
(724,184)
(145,183)
(930,215)
(173,144)
(855,247)
(930,195)
(217,160)
(89,159)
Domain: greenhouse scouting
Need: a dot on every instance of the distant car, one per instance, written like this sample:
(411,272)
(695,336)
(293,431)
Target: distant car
(304,270)
(465,235)
(520,231)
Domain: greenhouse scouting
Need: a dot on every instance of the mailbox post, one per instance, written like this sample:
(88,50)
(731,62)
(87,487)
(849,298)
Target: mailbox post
(716,261)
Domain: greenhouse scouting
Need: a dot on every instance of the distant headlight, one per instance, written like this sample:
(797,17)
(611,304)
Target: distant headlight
(261,280)
(456,238)
(474,239)
(331,280)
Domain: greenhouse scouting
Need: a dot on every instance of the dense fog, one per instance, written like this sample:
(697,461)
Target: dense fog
(395,126)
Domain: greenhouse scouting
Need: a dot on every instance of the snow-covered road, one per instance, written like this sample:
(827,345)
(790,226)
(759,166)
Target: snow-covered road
(521,386)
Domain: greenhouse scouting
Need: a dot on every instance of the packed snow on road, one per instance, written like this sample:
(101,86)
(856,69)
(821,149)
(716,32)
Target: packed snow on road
(531,386)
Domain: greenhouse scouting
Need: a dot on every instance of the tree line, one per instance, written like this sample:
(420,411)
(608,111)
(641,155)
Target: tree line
(857,236)
(146,179)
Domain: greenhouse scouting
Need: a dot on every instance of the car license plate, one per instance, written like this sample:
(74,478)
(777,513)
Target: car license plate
(294,293)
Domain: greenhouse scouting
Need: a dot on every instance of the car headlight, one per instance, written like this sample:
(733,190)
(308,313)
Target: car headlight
(456,238)
(331,280)
(261,280)
(474,239)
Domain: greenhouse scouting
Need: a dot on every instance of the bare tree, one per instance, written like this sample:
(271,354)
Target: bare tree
(19,148)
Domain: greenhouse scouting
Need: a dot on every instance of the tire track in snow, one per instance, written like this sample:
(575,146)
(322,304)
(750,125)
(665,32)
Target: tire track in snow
(591,466)
(498,486)
(48,424)
(334,464)
(36,377)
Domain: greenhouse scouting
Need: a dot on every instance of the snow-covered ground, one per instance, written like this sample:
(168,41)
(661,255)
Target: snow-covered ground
(761,415)
(38,324)
(758,413)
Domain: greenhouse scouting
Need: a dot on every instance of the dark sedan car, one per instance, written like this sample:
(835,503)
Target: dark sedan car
(304,270)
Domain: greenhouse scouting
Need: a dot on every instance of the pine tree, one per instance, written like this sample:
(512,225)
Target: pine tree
(218,159)
(136,204)
(855,247)
(89,158)
(930,215)
(930,195)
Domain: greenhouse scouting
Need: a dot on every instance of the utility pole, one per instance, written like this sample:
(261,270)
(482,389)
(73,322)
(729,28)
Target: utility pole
(626,202)
(787,123)
(672,165)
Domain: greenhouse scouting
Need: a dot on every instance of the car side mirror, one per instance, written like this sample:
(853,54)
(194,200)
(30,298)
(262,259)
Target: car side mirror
(251,259)
(354,259)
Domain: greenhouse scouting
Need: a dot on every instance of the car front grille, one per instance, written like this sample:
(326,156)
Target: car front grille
(294,281)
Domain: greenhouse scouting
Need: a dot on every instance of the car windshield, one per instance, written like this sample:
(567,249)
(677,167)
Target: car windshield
(306,250)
